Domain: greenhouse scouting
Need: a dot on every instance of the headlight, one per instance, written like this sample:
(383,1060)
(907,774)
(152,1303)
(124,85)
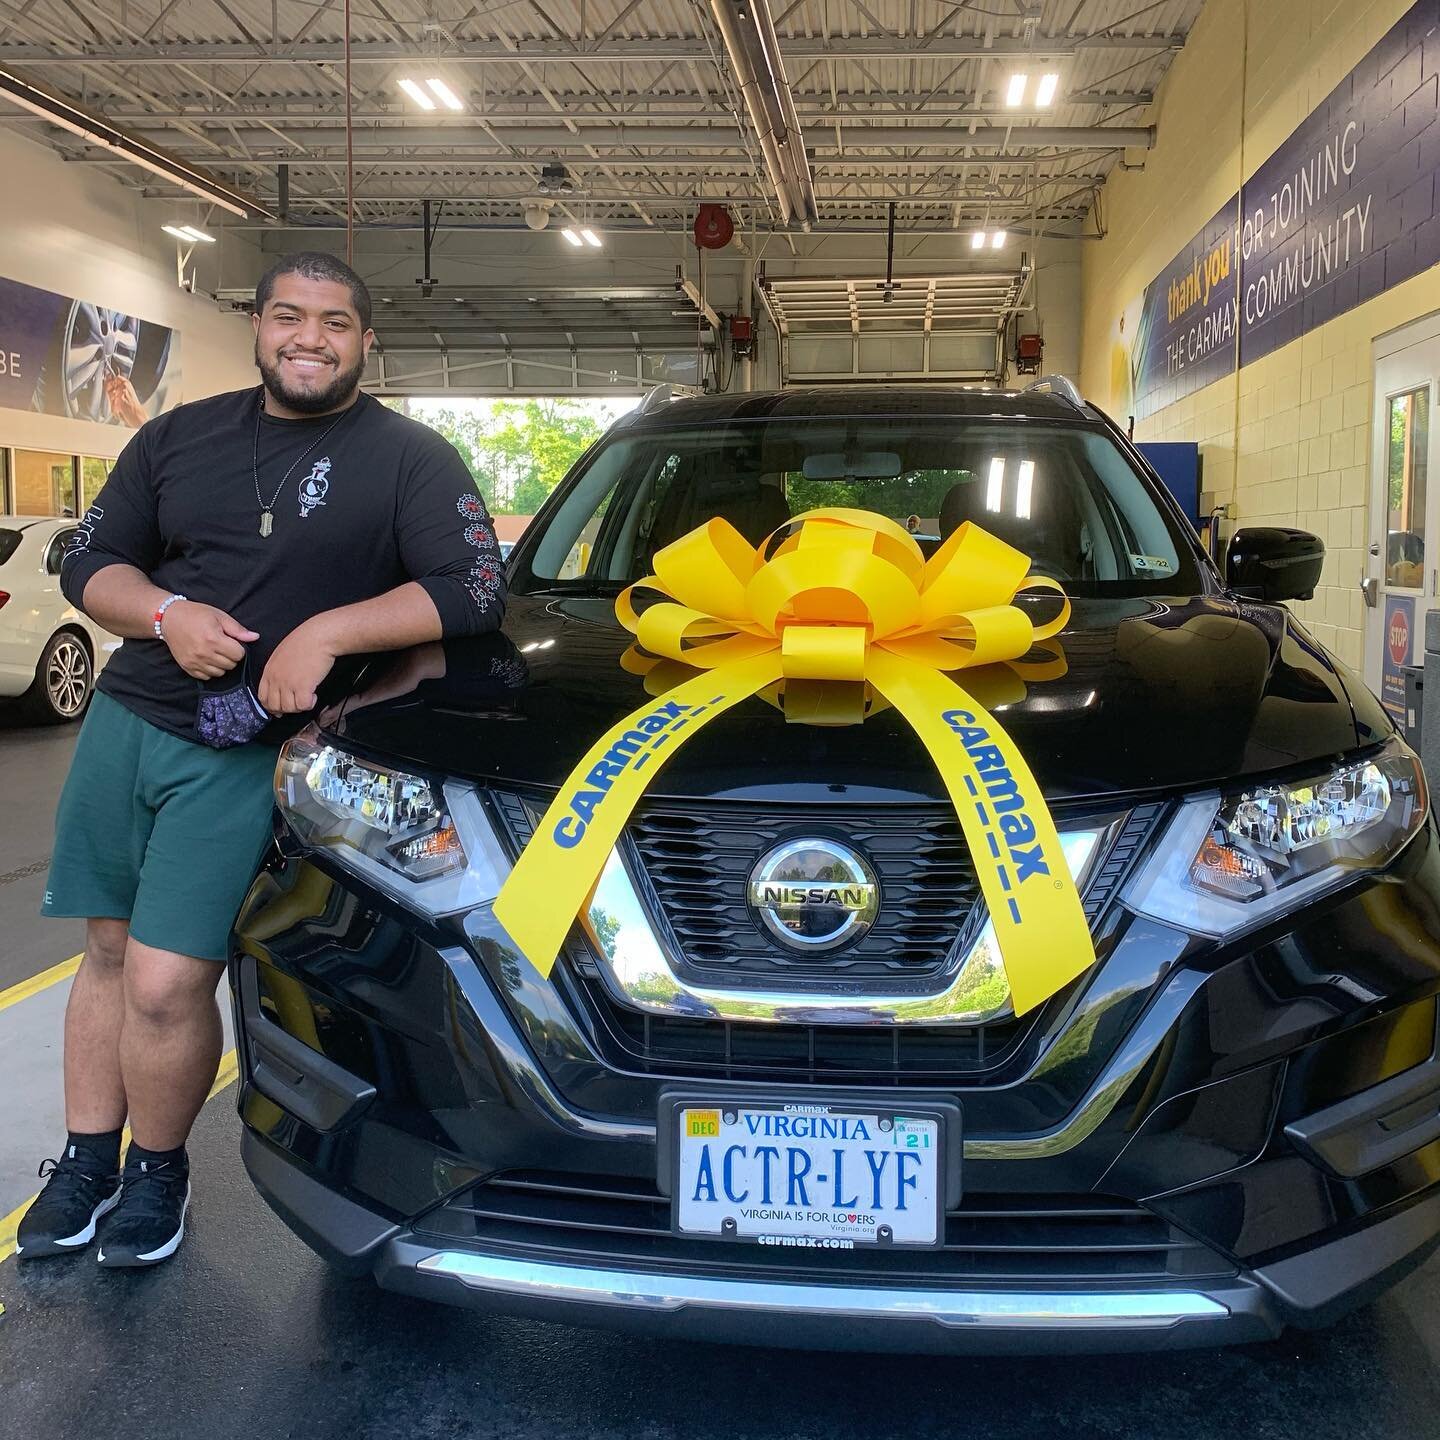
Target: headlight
(434,851)
(1229,862)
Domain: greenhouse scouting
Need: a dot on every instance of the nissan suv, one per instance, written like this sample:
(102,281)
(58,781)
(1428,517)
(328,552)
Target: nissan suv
(785,980)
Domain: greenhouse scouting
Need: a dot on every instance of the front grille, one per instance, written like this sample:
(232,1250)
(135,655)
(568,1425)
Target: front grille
(694,865)
(669,835)
(698,865)
(990,1239)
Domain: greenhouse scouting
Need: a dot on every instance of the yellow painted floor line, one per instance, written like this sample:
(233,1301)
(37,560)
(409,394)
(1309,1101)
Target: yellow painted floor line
(225,1076)
(43,981)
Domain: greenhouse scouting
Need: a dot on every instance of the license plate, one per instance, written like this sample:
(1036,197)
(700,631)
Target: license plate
(811,1176)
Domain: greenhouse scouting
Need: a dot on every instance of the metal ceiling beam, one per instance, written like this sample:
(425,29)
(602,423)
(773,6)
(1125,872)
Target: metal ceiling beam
(462,174)
(492,52)
(956,105)
(723,136)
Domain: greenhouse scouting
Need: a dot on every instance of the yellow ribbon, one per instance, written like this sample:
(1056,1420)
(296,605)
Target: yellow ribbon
(844,603)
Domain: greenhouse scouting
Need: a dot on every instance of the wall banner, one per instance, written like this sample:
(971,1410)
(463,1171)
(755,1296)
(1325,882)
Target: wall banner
(1343,210)
(84,361)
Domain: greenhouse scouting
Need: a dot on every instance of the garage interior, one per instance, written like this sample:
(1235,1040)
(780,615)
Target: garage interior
(594,200)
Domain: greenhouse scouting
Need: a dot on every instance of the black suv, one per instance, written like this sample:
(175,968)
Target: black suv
(1229,1123)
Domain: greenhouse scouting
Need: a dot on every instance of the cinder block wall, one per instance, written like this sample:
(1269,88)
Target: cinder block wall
(1286,440)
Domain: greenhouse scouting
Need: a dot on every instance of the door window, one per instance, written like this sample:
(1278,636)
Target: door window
(94,473)
(44,483)
(1407,461)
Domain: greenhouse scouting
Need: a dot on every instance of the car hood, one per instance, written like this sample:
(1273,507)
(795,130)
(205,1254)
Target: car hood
(1157,696)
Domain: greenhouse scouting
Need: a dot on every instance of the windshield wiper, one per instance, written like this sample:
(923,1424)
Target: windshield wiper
(598,590)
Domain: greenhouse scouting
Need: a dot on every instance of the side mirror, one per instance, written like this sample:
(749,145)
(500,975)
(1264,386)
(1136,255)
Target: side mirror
(1273,563)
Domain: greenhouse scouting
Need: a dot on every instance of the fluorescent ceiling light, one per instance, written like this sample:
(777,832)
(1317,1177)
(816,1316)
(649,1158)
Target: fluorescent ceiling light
(573,236)
(590,237)
(445,95)
(100,132)
(1022,489)
(1015,95)
(176,231)
(193,232)
(413,90)
(997,239)
(995,490)
(977,240)
(1045,91)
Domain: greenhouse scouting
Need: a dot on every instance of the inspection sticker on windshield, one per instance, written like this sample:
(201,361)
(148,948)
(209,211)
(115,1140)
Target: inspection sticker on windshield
(808,1176)
(1152,564)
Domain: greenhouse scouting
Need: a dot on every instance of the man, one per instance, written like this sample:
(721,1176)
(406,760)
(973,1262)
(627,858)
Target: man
(242,544)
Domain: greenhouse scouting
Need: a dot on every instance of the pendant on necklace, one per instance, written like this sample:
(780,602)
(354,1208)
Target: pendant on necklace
(267,523)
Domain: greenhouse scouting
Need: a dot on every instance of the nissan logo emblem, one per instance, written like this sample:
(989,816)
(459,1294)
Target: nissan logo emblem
(814,894)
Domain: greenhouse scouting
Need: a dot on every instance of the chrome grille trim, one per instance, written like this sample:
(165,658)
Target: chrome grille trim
(1017,1309)
(637,970)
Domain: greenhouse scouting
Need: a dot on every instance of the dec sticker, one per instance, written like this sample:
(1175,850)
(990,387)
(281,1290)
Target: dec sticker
(1151,564)
(702,1124)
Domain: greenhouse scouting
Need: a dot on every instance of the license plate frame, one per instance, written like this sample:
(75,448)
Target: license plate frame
(945,1112)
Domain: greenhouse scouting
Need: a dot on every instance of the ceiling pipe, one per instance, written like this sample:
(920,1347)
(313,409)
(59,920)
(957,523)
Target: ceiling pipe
(748,32)
(96,131)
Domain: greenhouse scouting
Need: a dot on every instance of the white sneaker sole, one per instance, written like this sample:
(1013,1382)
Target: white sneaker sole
(79,1239)
(151,1257)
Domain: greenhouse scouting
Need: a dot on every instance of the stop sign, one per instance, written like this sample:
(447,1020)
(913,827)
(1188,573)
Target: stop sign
(1397,637)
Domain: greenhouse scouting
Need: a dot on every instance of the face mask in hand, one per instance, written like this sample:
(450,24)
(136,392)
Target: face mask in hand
(233,716)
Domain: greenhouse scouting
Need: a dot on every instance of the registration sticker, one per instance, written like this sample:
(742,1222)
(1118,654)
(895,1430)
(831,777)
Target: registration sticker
(819,1176)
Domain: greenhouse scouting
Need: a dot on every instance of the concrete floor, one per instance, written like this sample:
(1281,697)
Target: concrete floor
(247,1334)
(32,768)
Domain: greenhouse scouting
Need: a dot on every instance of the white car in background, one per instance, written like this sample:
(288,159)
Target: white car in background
(49,652)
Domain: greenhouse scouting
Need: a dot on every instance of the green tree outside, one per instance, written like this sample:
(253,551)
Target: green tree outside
(517,450)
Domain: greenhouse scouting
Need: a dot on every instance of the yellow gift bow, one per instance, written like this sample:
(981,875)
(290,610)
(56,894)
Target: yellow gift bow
(845,596)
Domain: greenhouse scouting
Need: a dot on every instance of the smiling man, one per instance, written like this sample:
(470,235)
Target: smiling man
(241,546)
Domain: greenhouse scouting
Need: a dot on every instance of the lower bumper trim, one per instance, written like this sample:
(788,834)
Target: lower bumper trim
(1009,1310)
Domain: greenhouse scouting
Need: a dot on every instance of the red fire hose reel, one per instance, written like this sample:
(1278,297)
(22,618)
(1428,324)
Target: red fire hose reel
(714,229)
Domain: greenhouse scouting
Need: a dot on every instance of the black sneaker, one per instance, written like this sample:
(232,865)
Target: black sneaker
(62,1219)
(149,1222)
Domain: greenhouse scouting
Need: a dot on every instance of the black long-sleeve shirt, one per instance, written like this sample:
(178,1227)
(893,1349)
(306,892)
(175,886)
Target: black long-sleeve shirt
(379,500)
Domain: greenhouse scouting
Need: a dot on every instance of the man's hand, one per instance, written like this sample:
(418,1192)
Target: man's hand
(205,642)
(300,662)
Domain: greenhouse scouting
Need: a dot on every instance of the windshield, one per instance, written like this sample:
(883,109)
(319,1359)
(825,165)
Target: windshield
(1065,495)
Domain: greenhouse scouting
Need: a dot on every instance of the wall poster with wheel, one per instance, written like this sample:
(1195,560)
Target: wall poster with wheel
(83,360)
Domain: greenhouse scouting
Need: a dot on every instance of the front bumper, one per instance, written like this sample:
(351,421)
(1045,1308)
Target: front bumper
(1275,1108)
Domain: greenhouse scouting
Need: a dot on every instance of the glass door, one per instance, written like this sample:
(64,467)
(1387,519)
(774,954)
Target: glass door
(1402,563)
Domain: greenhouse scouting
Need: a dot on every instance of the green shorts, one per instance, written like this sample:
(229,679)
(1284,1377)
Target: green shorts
(159,831)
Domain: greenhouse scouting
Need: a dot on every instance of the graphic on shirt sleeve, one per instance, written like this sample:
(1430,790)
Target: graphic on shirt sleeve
(480,536)
(83,534)
(484,581)
(472,507)
(315,486)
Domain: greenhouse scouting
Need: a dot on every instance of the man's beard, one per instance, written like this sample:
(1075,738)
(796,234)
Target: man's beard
(309,402)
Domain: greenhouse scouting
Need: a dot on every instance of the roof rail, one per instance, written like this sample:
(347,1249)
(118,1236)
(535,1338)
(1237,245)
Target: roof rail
(1057,385)
(657,398)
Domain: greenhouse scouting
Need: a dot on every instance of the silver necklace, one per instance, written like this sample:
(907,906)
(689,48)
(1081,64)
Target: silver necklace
(267,511)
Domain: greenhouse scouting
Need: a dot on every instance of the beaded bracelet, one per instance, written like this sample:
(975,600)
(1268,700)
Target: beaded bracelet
(165,604)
